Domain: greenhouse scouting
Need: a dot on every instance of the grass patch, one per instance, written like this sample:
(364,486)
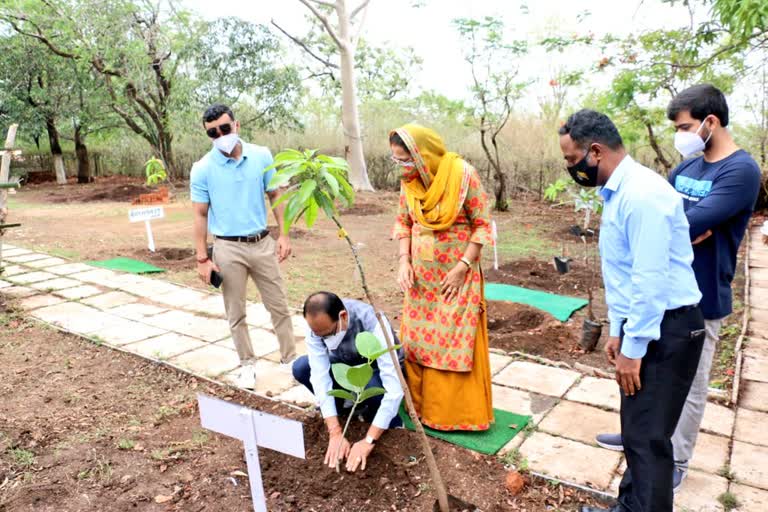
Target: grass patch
(102,471)
(515,459)
(62,253)
(126,444)
(22,458)
(728,501)
(726,472)
(517,241)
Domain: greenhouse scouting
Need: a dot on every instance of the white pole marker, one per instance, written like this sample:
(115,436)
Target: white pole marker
(145,215)
(255,429)
(495,236)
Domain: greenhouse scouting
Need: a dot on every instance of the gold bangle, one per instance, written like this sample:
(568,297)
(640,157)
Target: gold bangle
(465,261)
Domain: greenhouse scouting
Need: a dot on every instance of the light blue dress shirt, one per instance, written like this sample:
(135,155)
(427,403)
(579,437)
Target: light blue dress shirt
(234,190)
(320,365)
(646,254)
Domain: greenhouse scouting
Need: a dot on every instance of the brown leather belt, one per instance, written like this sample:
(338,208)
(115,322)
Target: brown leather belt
(249,239)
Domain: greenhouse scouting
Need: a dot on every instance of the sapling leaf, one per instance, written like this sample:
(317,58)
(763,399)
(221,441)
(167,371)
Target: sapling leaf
(381,352)
(325,203)
(359,376)
(342,393)
(305,191)
(370,393)
(284,197)
(312,210)
(332,182)
(292,210)
(367,344)
(339,371)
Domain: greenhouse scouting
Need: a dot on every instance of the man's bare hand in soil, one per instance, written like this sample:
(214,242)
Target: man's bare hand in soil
(358,455)
(338,449)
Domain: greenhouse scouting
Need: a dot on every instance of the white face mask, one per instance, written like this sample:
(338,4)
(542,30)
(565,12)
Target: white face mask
(689,143)
(333,342)
(226,143)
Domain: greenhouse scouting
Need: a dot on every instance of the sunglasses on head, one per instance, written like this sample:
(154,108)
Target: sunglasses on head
(218,131)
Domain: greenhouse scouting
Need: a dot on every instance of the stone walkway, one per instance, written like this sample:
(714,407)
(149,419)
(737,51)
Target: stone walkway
(185,328)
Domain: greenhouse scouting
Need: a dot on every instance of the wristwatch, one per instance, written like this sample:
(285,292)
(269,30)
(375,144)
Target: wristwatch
(370,440)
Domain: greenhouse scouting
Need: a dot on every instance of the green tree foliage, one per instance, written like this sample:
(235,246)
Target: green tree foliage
(239,63)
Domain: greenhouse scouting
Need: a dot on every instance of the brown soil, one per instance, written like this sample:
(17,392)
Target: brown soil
(542,275)
(363,209)
(86,428)
(113,188)
(169,258)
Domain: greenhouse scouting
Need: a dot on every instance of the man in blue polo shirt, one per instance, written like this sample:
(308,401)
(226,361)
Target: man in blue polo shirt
(719,191)
(656,326)
(227,188)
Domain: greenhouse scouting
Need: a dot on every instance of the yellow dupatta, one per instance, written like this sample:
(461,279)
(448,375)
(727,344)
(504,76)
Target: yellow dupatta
(438,196)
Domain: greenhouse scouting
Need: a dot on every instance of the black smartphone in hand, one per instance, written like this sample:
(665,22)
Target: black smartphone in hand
(216,279)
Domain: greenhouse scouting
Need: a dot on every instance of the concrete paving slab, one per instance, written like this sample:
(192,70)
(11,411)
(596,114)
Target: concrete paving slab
(69,269)
(111,300)
(755,369)
(538,378)
(750,498)
(756,347)
(754,395)
(208,329)
(297,395)
(75,317)
(699,493)
(711,453)
(31,277)
(258,316)
(522,402)
(748,463)
(59,283)
(100,276)
(603,393)
(718,419)
(570,460)
(212,304)
(45,262)
(19,291)
(750,427)
(579,422)
(26,258)
(78,292)
(210,361)
(180,298)
(5,284)
(40,301)
(136,311)
(165,346)
(14,270)
(122,332)
(263,342)
(14,252)
(271,378)
(499,362)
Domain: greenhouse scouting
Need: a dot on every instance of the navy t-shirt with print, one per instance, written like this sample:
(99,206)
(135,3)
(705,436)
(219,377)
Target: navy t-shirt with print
(718,196)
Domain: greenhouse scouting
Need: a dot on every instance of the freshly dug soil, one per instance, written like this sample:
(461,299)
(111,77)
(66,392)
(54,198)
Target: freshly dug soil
(542,275)
(83,427)
(517,327)
(168,258)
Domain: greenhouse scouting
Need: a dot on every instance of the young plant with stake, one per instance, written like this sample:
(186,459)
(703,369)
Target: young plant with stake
(155,171)
(317,182)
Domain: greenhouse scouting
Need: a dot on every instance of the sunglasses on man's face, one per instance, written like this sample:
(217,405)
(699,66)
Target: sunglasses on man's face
(218,131)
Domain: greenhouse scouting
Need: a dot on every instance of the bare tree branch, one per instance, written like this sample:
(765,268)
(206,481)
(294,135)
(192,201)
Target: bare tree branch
(324,20)
(305,47)
(356,38)
(359,8)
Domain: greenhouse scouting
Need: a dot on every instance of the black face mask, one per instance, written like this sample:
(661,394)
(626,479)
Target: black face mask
(583,173)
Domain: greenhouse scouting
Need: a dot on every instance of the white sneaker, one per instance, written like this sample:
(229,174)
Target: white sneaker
(246,379)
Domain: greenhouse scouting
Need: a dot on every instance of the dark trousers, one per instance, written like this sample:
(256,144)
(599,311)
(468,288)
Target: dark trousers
(368,409)
(649,418)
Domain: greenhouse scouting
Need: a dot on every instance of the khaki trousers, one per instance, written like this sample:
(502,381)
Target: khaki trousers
(238,260)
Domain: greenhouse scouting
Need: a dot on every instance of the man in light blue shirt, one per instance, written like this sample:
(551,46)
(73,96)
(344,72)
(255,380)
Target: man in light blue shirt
(227,188)
(656,326)
(333,326)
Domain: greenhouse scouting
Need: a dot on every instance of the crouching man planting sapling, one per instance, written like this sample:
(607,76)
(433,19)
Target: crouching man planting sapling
(348,366)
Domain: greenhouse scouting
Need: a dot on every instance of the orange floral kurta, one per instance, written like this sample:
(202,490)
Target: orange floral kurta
(437,334)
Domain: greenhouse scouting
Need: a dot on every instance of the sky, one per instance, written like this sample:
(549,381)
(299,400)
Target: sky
(429,30)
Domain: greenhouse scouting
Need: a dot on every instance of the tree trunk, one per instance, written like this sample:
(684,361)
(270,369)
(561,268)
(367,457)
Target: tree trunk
(56,153)
(501,190)
(83,163)
(350,117)
(660,157)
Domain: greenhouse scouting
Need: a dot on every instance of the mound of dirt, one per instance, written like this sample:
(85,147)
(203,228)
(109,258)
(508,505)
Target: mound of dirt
(542,275)
(120,193)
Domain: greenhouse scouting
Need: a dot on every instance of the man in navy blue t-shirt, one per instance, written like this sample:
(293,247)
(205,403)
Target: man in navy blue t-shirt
(719,191)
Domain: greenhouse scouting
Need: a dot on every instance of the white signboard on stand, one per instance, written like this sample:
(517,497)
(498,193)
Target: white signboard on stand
(146,215)
(255,429)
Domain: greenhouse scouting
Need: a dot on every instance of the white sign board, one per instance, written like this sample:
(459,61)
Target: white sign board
(255,429)
(145,215)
